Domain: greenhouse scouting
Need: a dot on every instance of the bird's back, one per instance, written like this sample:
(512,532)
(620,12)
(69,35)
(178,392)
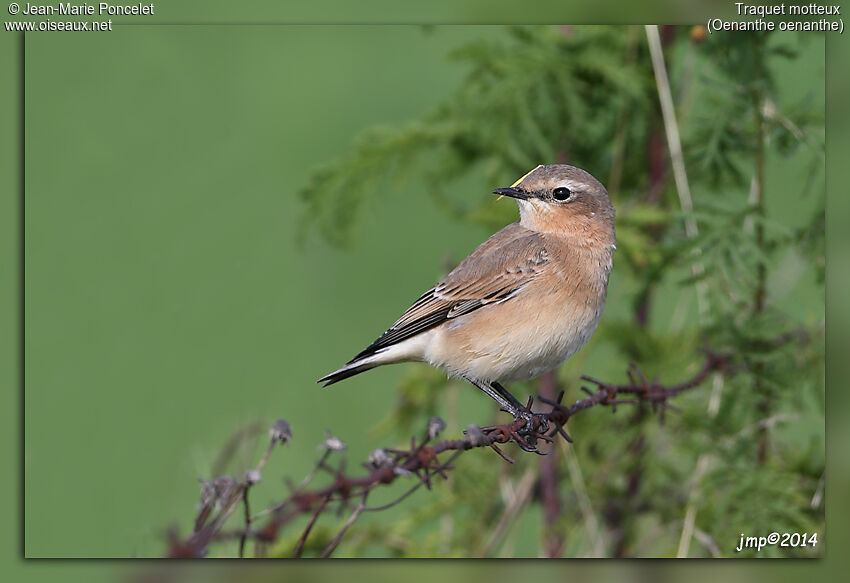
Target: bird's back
(497,268)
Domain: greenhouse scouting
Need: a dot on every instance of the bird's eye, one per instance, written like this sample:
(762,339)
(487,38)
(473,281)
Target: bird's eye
(561,193)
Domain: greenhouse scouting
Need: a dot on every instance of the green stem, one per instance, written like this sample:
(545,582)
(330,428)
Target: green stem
(763,405)
(759,297)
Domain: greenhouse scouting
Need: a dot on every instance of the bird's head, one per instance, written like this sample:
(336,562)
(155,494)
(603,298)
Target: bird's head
(564,200)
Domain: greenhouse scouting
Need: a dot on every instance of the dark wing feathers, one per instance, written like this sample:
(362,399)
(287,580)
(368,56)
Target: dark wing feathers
(397,334)
(498,268)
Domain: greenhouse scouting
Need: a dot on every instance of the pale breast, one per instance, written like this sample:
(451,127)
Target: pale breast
(522,337)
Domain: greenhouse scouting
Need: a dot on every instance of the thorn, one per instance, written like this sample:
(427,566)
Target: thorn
(592,380)
(502,454)
(424,479)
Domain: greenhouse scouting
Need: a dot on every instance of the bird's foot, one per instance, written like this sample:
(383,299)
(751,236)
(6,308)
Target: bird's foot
(529,427)
(534,423)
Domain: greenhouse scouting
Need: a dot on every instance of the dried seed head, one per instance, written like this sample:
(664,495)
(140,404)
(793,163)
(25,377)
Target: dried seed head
(402,472)
(379,458)
(474,436)
(280,431)
(207,492)
(333,443)
(253,476)
(224,486)
(435,427)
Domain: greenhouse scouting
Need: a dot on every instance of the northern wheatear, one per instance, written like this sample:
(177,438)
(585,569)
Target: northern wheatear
(523,302)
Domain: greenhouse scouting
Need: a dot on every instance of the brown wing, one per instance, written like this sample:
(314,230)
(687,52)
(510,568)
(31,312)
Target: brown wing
(499,268)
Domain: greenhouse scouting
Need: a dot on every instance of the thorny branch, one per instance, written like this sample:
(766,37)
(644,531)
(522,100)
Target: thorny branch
(221,497)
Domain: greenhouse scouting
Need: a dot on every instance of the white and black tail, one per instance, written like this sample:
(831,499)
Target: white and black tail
(377,354)
(403,342)
(368,359)
(349,370)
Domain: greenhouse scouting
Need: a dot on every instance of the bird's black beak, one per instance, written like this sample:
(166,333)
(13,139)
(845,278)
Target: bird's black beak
(512,192)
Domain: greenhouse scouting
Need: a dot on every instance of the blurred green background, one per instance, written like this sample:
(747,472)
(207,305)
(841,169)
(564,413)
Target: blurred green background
(167,300)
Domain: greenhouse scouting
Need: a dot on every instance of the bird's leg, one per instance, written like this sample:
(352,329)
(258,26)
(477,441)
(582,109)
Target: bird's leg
(513,406)
(507,396)
(522,410)
(507,402)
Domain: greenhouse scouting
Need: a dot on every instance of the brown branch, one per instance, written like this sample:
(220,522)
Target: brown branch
(549,484)
(299,546)
(244,537)
(421,461)
(336,540)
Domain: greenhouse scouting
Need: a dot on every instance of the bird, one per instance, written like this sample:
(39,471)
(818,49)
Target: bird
(523,302)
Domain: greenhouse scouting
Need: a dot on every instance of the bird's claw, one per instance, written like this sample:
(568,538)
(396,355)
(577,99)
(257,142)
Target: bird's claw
(533,427)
